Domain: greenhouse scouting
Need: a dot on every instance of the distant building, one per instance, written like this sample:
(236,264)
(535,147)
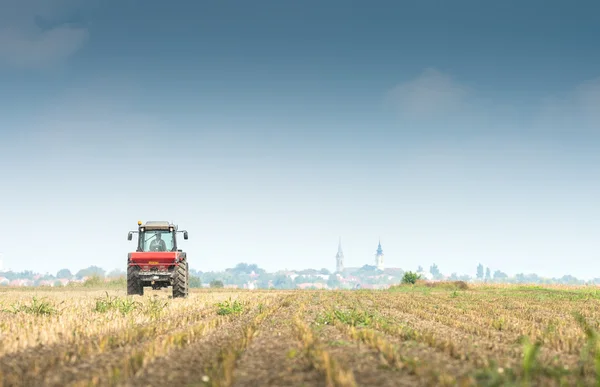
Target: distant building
(379,257)
(339,258)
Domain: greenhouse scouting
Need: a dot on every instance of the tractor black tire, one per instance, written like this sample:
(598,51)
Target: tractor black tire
(180,281)
(134,286)
(187,278)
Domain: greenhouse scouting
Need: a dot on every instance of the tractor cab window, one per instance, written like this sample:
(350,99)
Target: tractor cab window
(158,240)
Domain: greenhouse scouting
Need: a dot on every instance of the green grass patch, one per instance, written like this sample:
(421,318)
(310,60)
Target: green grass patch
(353,317)
(108,303)
(229,307)
(37,306)
(155,307)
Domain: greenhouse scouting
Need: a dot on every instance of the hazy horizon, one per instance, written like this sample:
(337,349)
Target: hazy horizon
(457,134)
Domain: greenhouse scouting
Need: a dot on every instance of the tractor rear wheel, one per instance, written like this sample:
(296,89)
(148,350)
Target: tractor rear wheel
(180,281)
(187,279)
(134,286)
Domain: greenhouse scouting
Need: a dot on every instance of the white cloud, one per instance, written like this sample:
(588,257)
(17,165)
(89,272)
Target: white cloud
(434,99)
(431,93)
(24,44)
(574,111)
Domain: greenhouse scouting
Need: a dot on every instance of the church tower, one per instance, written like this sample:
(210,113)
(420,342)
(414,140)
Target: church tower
(339,258)
(379,257)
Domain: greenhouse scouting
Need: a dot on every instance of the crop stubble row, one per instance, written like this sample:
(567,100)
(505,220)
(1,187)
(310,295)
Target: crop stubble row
(280,340)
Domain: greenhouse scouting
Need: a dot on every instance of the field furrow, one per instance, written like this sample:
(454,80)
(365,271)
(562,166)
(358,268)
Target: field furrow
(69,318)
(482,351)
(274,358)
(414,362)
(315,351)
(407,336)
(211,360)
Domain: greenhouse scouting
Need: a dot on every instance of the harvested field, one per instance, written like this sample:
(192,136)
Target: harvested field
(406,336)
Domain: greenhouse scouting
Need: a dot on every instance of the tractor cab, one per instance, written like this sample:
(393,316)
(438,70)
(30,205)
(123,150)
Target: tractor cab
(157,236)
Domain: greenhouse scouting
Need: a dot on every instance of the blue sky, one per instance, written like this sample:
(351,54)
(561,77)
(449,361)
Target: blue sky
(458,133)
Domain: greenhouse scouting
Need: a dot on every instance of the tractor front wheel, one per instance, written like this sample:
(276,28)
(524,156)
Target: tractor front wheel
(134,286)
(180,281)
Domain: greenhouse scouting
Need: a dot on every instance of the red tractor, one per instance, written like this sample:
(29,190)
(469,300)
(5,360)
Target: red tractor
(157,262)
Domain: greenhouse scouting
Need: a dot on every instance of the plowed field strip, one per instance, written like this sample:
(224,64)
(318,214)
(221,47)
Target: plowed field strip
(210,361)
(455,344)
(481,321)
(398,319)
(425,309)
(478,352)
(551,322)
(526,309)
(415,363)
(369,364)
(314,350)
(35,364)
(111,367)
(497,327)
(40,331)
(270,360)
(295,338)
(62,328)
(460,346)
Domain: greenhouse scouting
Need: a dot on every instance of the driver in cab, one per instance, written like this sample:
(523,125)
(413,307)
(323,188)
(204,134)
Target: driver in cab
(158,244)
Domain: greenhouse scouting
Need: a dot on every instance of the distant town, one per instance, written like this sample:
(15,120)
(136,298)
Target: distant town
(251,276)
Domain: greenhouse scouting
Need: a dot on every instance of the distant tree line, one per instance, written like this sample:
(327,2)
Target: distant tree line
(243,274)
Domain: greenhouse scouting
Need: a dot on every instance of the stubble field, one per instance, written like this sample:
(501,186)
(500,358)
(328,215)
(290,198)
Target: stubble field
(403,337)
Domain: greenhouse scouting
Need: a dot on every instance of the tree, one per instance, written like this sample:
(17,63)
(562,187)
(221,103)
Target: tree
(195,282)
(64,273)
(420,269)
(216,284)
(435,271)
(90,272)
(520,278)
(480,271)
(410,277)
(498,275)
(488,276)
(333,282)
(282,281)
(570,280)
(254,267)
(263,281)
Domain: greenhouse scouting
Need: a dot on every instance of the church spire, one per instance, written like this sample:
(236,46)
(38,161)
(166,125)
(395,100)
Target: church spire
(339,257)
(379,256)
(379,249)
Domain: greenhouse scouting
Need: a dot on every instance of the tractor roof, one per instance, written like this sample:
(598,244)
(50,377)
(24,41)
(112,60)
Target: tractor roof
(158,225)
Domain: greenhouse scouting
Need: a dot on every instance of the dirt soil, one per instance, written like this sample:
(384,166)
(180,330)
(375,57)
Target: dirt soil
(301,338)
